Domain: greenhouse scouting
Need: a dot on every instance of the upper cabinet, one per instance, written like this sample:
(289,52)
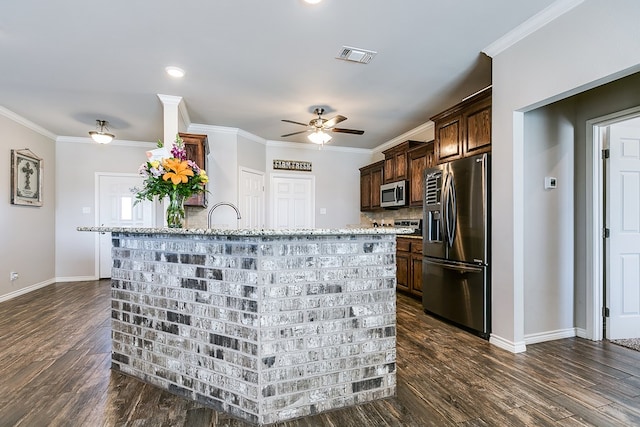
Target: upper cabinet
(370,181)
(419,159)
(396,161)
(197,149)
(465,129)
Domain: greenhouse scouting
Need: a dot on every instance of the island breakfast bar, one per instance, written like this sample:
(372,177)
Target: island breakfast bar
(266,325)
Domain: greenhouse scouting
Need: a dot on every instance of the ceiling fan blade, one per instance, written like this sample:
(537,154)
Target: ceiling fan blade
(353,131)
(294,133)
(334,121)
(295,123)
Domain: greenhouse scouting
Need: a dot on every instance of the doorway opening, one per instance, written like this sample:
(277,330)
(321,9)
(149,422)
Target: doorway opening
(613,222)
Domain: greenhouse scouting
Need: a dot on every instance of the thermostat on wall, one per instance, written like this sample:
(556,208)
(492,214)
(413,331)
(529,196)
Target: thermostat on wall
(550,182)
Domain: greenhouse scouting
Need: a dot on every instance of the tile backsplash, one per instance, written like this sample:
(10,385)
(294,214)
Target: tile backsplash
(387,216)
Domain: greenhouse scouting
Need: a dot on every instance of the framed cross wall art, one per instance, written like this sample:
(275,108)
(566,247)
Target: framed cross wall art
(26,178)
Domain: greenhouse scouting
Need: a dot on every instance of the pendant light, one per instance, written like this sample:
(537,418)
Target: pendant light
(102,136)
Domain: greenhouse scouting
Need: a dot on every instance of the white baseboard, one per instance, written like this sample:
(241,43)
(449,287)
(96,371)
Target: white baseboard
(510,346)
(76,279)
(582,333)
(16,293)
(550,335)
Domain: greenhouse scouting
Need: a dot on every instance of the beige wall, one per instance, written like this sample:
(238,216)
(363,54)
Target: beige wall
(28,232)
(337,180)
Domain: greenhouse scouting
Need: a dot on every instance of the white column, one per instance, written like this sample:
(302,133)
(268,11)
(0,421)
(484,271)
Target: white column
(171,116)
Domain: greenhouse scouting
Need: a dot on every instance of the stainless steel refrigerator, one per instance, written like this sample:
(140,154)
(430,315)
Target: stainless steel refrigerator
(456,249)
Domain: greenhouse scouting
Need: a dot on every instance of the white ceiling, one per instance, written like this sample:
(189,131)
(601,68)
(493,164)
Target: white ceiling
(249,63)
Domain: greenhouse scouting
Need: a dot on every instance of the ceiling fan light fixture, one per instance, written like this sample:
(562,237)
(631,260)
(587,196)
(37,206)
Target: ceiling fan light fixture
(319,137)
(101,136)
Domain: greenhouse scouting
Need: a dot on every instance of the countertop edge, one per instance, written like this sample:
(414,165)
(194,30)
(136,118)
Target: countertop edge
(253,232)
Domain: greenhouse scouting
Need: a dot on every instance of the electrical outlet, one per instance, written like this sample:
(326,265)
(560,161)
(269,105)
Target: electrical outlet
(13,276)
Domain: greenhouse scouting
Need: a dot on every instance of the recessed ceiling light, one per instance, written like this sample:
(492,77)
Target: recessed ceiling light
(175,72)
(312,1)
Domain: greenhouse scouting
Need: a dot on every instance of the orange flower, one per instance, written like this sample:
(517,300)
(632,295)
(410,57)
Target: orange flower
(179,171)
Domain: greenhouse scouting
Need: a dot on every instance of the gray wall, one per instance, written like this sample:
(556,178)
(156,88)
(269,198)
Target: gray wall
(28,232)
(75,190)
(548,218)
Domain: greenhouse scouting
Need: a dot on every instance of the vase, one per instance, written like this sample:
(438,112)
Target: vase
(175,211)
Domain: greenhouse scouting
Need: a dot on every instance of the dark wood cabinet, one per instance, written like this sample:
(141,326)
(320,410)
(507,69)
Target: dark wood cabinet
(409,265)
(477,124)
(448,137)
(197,149)
(463,130)
(370,181)
(396,162)
(419,159)
(416,268)
(403,261)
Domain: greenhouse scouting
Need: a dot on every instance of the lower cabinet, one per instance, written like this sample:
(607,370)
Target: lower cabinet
(409,265)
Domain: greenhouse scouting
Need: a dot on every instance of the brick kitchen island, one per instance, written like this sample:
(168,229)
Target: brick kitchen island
(266,325)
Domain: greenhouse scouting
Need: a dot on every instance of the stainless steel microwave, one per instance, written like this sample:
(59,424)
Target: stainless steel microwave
(393,194)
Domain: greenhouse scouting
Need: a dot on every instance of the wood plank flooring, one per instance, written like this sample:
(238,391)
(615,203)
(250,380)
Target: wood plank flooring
(55,371)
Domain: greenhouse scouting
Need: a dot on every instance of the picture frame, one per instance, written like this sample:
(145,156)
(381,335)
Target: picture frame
(26,178)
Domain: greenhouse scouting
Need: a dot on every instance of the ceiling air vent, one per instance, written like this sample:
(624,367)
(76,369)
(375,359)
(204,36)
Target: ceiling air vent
(355,54)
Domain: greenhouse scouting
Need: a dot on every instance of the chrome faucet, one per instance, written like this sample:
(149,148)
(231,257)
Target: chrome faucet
(220,204)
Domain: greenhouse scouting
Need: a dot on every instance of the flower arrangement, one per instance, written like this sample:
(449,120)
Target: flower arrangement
(175,177)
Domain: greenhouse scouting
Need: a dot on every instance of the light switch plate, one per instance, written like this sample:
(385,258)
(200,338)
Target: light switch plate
(550,182)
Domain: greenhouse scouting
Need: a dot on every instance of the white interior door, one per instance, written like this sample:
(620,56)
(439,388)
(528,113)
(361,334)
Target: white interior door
(292,201)
(115,209)
(623,213)
(251,198)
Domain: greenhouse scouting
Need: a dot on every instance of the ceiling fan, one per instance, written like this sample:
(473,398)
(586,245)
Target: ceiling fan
(320,125)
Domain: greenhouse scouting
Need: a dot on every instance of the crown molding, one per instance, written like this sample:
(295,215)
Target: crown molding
(201,128)
(170,99)
(26,123)
(116,142)
(405,136)
(530,26)
(179,102)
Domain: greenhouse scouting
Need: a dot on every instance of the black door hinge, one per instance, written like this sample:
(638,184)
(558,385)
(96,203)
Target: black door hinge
(605,233)
(605,311)
(605,153)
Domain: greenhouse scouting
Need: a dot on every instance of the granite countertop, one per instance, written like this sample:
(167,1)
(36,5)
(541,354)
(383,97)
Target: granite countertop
(253,231)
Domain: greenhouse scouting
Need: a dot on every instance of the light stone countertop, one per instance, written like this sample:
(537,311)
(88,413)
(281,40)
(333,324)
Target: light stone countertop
(253,231)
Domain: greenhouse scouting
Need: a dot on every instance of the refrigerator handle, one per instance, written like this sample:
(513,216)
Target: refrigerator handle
(453,209)
(445,208)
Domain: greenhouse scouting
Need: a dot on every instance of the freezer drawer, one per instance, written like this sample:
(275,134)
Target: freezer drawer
(457,292)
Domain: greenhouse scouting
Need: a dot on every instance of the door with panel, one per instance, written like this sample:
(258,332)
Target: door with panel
(292,201)
(251,198)
(117,208)
(623,245)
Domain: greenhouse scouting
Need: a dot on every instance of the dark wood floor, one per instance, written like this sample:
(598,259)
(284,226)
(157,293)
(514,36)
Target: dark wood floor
(55,359)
